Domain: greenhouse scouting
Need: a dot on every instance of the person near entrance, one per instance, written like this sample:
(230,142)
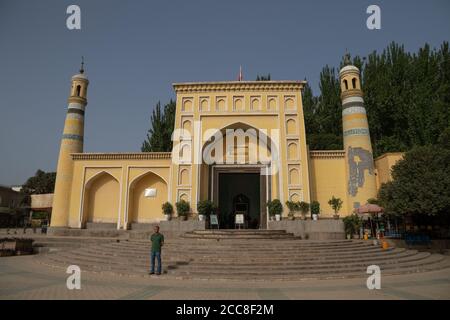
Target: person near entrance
(157,243)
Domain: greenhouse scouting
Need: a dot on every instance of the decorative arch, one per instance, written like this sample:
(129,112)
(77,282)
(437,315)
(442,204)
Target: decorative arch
(255,104)
(187,126)
(204,104)
(292,151)
(354,83)
(291,126)
(183,178)
(187,105)
(185,152)
(101,198)
(272,104)
(184,196)
(238,104)
(142,209)
(289,103)
(294,176)
(220,105)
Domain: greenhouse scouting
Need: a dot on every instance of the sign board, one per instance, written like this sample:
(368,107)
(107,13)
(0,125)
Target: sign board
(239,219)
(213,219)
(150,193)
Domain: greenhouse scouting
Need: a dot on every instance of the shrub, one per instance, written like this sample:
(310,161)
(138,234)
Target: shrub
(352,224)
(275,207)
(292,206)
(183,207)
(205,207)
(315,207)
(304,207)
(167,208)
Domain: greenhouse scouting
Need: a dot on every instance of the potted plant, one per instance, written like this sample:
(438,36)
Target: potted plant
(275,209)
(167,209)
(315,210)
(293,207)
(304,208)
(183,209)
(352,224)
(336,205)
(204,209)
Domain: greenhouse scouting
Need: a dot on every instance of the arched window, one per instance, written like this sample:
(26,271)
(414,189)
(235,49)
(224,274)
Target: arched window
(354,83)
(78,90)
(346,84)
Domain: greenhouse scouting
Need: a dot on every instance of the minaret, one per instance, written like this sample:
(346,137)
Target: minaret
(360,175)
(71,142)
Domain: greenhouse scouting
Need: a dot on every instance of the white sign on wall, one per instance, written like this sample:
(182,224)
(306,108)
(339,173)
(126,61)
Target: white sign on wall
(150,193)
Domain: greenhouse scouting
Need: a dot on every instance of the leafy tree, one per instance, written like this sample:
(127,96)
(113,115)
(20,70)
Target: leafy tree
(420,185)
(406,95)
(41,183)
(159,136)
(373,201)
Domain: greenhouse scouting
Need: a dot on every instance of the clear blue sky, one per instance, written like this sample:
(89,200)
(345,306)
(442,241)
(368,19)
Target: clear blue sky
(135,50)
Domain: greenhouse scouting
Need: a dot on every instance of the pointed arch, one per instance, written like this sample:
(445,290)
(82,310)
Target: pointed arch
(142,209)
(101,198)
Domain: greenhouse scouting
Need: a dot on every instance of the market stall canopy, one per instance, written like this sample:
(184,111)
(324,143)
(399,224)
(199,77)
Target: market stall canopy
(368,210)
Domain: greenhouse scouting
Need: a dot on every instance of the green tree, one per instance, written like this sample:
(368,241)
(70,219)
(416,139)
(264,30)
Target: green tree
(159,136)
(42,182)
(406,95)
(420,185)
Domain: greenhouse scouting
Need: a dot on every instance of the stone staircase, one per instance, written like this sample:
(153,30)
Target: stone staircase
(238,255)
(236,234)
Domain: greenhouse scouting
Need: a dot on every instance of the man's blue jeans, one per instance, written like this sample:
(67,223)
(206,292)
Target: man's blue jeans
(157,255)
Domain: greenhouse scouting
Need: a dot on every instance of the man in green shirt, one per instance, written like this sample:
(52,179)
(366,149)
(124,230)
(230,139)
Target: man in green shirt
(157,242)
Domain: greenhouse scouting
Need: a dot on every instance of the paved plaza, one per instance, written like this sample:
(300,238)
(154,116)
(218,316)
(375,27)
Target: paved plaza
(23,278)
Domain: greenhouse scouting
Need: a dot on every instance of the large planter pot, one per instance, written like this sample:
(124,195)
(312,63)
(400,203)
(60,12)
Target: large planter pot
(356,236)
(315,217)
(278,217)
(168,217)
(349,236)
(201,217)
(336,216)
(183,218)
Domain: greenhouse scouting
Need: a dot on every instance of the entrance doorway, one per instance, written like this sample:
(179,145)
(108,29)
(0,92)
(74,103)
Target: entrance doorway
(239,192)
(243,190)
